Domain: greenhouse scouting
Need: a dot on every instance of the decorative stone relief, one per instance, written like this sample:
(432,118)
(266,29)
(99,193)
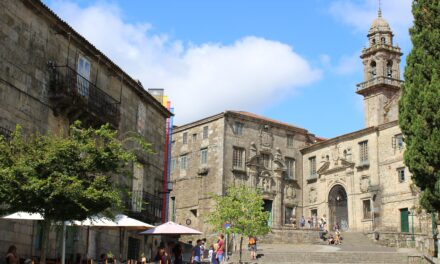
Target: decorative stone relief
(365,183)
(289,192)
(266,136)
(313,196)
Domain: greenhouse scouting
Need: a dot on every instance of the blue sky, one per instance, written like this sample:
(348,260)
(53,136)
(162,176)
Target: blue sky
(295,61)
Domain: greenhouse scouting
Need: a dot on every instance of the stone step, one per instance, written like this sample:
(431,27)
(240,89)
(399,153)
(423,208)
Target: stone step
(329,257)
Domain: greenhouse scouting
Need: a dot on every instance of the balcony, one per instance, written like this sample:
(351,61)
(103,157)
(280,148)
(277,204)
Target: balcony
(380,80)
(145,207)
(6,133)
(79,99)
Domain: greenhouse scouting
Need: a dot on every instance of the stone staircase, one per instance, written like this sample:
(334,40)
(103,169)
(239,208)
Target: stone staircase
(356,248)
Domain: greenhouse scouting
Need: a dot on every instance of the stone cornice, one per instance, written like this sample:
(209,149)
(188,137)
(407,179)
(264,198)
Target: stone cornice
(348,136)
(199,122)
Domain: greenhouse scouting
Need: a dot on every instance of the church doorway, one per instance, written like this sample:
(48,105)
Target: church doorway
(338,210)
(268,208)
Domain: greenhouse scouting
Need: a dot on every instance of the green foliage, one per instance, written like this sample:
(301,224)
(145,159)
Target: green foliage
(420,103)
(63,177)
(242,207)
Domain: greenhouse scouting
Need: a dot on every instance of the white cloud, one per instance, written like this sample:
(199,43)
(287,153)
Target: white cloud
(360,15)
(200,79)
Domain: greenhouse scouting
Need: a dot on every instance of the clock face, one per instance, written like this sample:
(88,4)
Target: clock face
(188,221)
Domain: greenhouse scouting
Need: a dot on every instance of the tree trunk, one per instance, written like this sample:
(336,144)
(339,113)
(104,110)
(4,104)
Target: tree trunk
(241,246)
(44,241)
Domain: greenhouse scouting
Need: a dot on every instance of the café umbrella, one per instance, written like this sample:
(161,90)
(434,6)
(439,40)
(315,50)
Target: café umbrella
(171,228)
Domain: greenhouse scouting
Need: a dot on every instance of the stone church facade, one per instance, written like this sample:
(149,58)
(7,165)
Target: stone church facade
(357,180)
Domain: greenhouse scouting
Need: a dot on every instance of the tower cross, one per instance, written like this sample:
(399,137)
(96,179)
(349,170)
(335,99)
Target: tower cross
(379,12)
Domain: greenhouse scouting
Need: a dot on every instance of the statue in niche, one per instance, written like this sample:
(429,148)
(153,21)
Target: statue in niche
(278,155)
(266,184)
(253,150)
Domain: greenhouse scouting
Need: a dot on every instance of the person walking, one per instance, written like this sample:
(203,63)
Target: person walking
(214,258)
(252,245)
(178,254)
(221,248)
(302,222)
(196,252)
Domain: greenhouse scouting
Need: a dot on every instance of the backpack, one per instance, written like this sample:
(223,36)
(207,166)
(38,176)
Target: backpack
(252,241)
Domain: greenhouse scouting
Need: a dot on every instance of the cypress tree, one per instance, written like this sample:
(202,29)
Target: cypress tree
(419,106)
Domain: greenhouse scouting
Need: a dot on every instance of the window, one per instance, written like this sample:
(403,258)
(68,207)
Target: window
(173,209)
(373,69)
(172,165)
(265,158)
(238,128)
(401,174)
(204,156)
(366,204)
(238,158)
(183,162)
(290,140)
(398,142)
(312,167)
(363,152)
(383,40)
(289,212)
(185,138)
(194,137)
(290,172)
(83,77)
(390,69)
(205,132)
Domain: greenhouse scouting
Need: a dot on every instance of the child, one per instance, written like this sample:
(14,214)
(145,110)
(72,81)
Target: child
(210,252)
(214,259)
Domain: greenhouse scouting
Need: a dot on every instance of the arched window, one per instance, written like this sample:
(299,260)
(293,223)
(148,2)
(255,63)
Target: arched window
(373,42)
(390,68)
(383,40)
(373,69)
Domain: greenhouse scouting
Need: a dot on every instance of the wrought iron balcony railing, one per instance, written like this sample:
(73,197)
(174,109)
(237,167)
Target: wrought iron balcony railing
(6,133)
(74,95)
(145,207)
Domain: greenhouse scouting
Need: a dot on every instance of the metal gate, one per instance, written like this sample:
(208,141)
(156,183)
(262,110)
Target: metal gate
(338,210)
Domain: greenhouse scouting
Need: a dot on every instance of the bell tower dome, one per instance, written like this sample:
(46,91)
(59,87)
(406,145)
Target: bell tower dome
(381,86)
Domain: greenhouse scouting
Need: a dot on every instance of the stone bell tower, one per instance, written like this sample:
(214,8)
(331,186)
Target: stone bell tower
(381,86)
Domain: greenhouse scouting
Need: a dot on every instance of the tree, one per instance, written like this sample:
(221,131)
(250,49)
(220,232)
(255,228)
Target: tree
(62,177)
(243,208)
(419,106)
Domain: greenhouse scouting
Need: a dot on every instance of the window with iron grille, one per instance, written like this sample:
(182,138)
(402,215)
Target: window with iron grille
(238,158)
(185,138)
(204,156)
(401,174)
(398,142)
(363,152)
(205,132)
(183,162)
(290,140)
(366,204)
(312,167)
(290,172)
(265,158)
